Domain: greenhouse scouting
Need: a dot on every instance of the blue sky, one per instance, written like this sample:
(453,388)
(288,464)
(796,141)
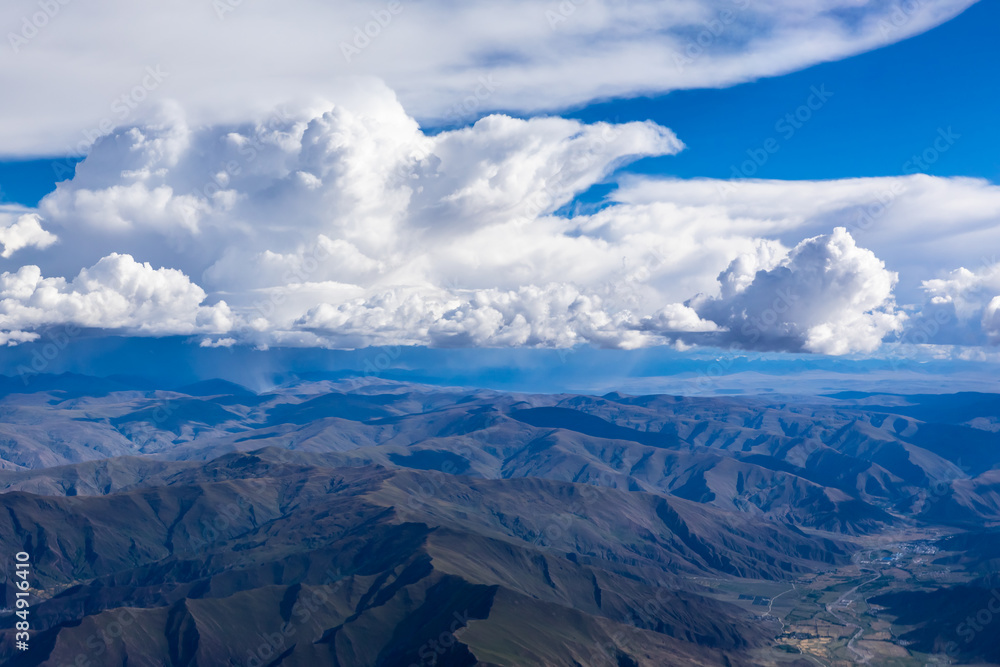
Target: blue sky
(887,105)
(27,181)
(836,197)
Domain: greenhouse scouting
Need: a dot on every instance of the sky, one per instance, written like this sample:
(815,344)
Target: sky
(789,179)
(887,105)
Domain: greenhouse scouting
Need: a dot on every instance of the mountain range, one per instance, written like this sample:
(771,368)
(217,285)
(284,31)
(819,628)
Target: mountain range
(370,522)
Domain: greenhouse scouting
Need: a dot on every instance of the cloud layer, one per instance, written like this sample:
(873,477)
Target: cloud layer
(348,226)
(225,60)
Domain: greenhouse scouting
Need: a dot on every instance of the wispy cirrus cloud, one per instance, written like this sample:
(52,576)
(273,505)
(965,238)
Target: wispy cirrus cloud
(228,61)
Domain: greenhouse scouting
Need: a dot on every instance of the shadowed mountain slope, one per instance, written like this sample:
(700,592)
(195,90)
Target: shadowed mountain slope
(186,550)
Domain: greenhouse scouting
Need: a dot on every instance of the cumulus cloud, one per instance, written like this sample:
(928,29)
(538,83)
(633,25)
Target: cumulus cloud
(828,296)
(556,315)
(25,232)
(920,225)
(966,291)
(448,60)
(991,320)
(314,224)
(116,293)
(348,226)
(961,307)
(365,178)
(677,318)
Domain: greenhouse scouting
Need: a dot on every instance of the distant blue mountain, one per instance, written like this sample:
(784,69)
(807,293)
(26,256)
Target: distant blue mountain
(166,363)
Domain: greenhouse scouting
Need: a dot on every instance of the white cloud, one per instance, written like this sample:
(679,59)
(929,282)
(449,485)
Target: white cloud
(218,342)
(677,318)
(348,226)
(443,57)
(314,224)
(991,320)
(967,291)
(961,308)
(922,226)
(742,272)
(556,315)
(12,338)
(828,296)
(366,191)
(115,293)
(25,232)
